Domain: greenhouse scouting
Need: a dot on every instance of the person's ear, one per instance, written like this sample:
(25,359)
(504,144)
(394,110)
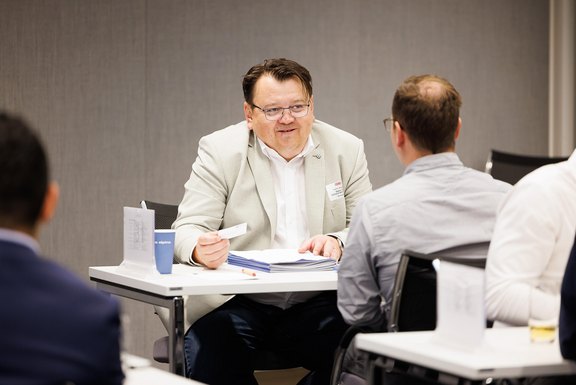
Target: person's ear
(399,135)
(311,111)
(248,114)
(50,202)
(457,133)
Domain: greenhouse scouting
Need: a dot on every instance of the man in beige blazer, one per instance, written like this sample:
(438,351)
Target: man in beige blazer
(295,181)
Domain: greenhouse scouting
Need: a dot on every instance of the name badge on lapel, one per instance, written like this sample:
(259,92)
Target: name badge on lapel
(335,190)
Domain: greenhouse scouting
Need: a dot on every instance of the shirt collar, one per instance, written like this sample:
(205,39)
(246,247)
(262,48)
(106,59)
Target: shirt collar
(427,162)
(20,238)
(270,153)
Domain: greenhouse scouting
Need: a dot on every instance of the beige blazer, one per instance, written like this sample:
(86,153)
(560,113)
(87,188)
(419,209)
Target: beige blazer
(231,183)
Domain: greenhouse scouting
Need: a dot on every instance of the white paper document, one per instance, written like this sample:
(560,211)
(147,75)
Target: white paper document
(280,260)
(138,242)
(234,231)
(460,305)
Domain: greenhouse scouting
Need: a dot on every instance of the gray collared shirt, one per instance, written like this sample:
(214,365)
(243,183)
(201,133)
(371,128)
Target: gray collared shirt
(438,203)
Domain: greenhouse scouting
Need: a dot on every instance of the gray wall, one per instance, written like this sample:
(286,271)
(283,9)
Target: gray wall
(122,90)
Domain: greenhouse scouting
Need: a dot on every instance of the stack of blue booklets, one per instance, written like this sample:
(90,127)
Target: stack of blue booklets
(280,260)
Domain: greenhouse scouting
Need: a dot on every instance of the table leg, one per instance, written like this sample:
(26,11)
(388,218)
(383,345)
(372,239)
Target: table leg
(176,336)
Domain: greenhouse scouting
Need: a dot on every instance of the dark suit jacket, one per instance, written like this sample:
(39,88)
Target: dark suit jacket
(54,328)
(568,309)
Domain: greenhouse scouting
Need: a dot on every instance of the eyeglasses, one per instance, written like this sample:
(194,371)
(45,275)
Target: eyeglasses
(276,113)
(389,123)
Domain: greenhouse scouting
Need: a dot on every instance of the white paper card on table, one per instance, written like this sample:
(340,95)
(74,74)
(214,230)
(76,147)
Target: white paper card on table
(460,305)
(138,242)
(233,231)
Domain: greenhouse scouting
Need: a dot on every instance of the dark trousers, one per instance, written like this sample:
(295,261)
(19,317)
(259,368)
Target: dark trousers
(220,348)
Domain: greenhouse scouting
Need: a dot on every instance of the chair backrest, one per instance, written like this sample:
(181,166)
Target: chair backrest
(512,167)
(413,305)
(164,214)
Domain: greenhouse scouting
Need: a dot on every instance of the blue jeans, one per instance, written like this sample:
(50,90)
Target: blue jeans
(220,347)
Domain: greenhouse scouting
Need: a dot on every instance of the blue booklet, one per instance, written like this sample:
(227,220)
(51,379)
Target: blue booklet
(280,260)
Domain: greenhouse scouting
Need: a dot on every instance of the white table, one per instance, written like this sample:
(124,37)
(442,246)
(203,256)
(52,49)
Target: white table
(168,291)
(138,371)
(504,353)
(154,376)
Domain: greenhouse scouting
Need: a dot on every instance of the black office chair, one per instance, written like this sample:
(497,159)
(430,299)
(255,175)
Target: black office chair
(511,168)
(413,306)
(414,292)
(164,216)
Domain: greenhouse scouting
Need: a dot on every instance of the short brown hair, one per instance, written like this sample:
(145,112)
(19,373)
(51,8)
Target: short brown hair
(281,70)
(429,115)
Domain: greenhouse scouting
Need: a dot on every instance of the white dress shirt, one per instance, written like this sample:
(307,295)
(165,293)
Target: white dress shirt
(532,240)
(291,223)
(289,181)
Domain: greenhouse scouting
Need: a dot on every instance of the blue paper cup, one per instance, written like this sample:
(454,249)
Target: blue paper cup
(164,250)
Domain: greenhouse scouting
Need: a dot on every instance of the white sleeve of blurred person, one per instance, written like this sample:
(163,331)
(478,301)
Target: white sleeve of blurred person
(530,246)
